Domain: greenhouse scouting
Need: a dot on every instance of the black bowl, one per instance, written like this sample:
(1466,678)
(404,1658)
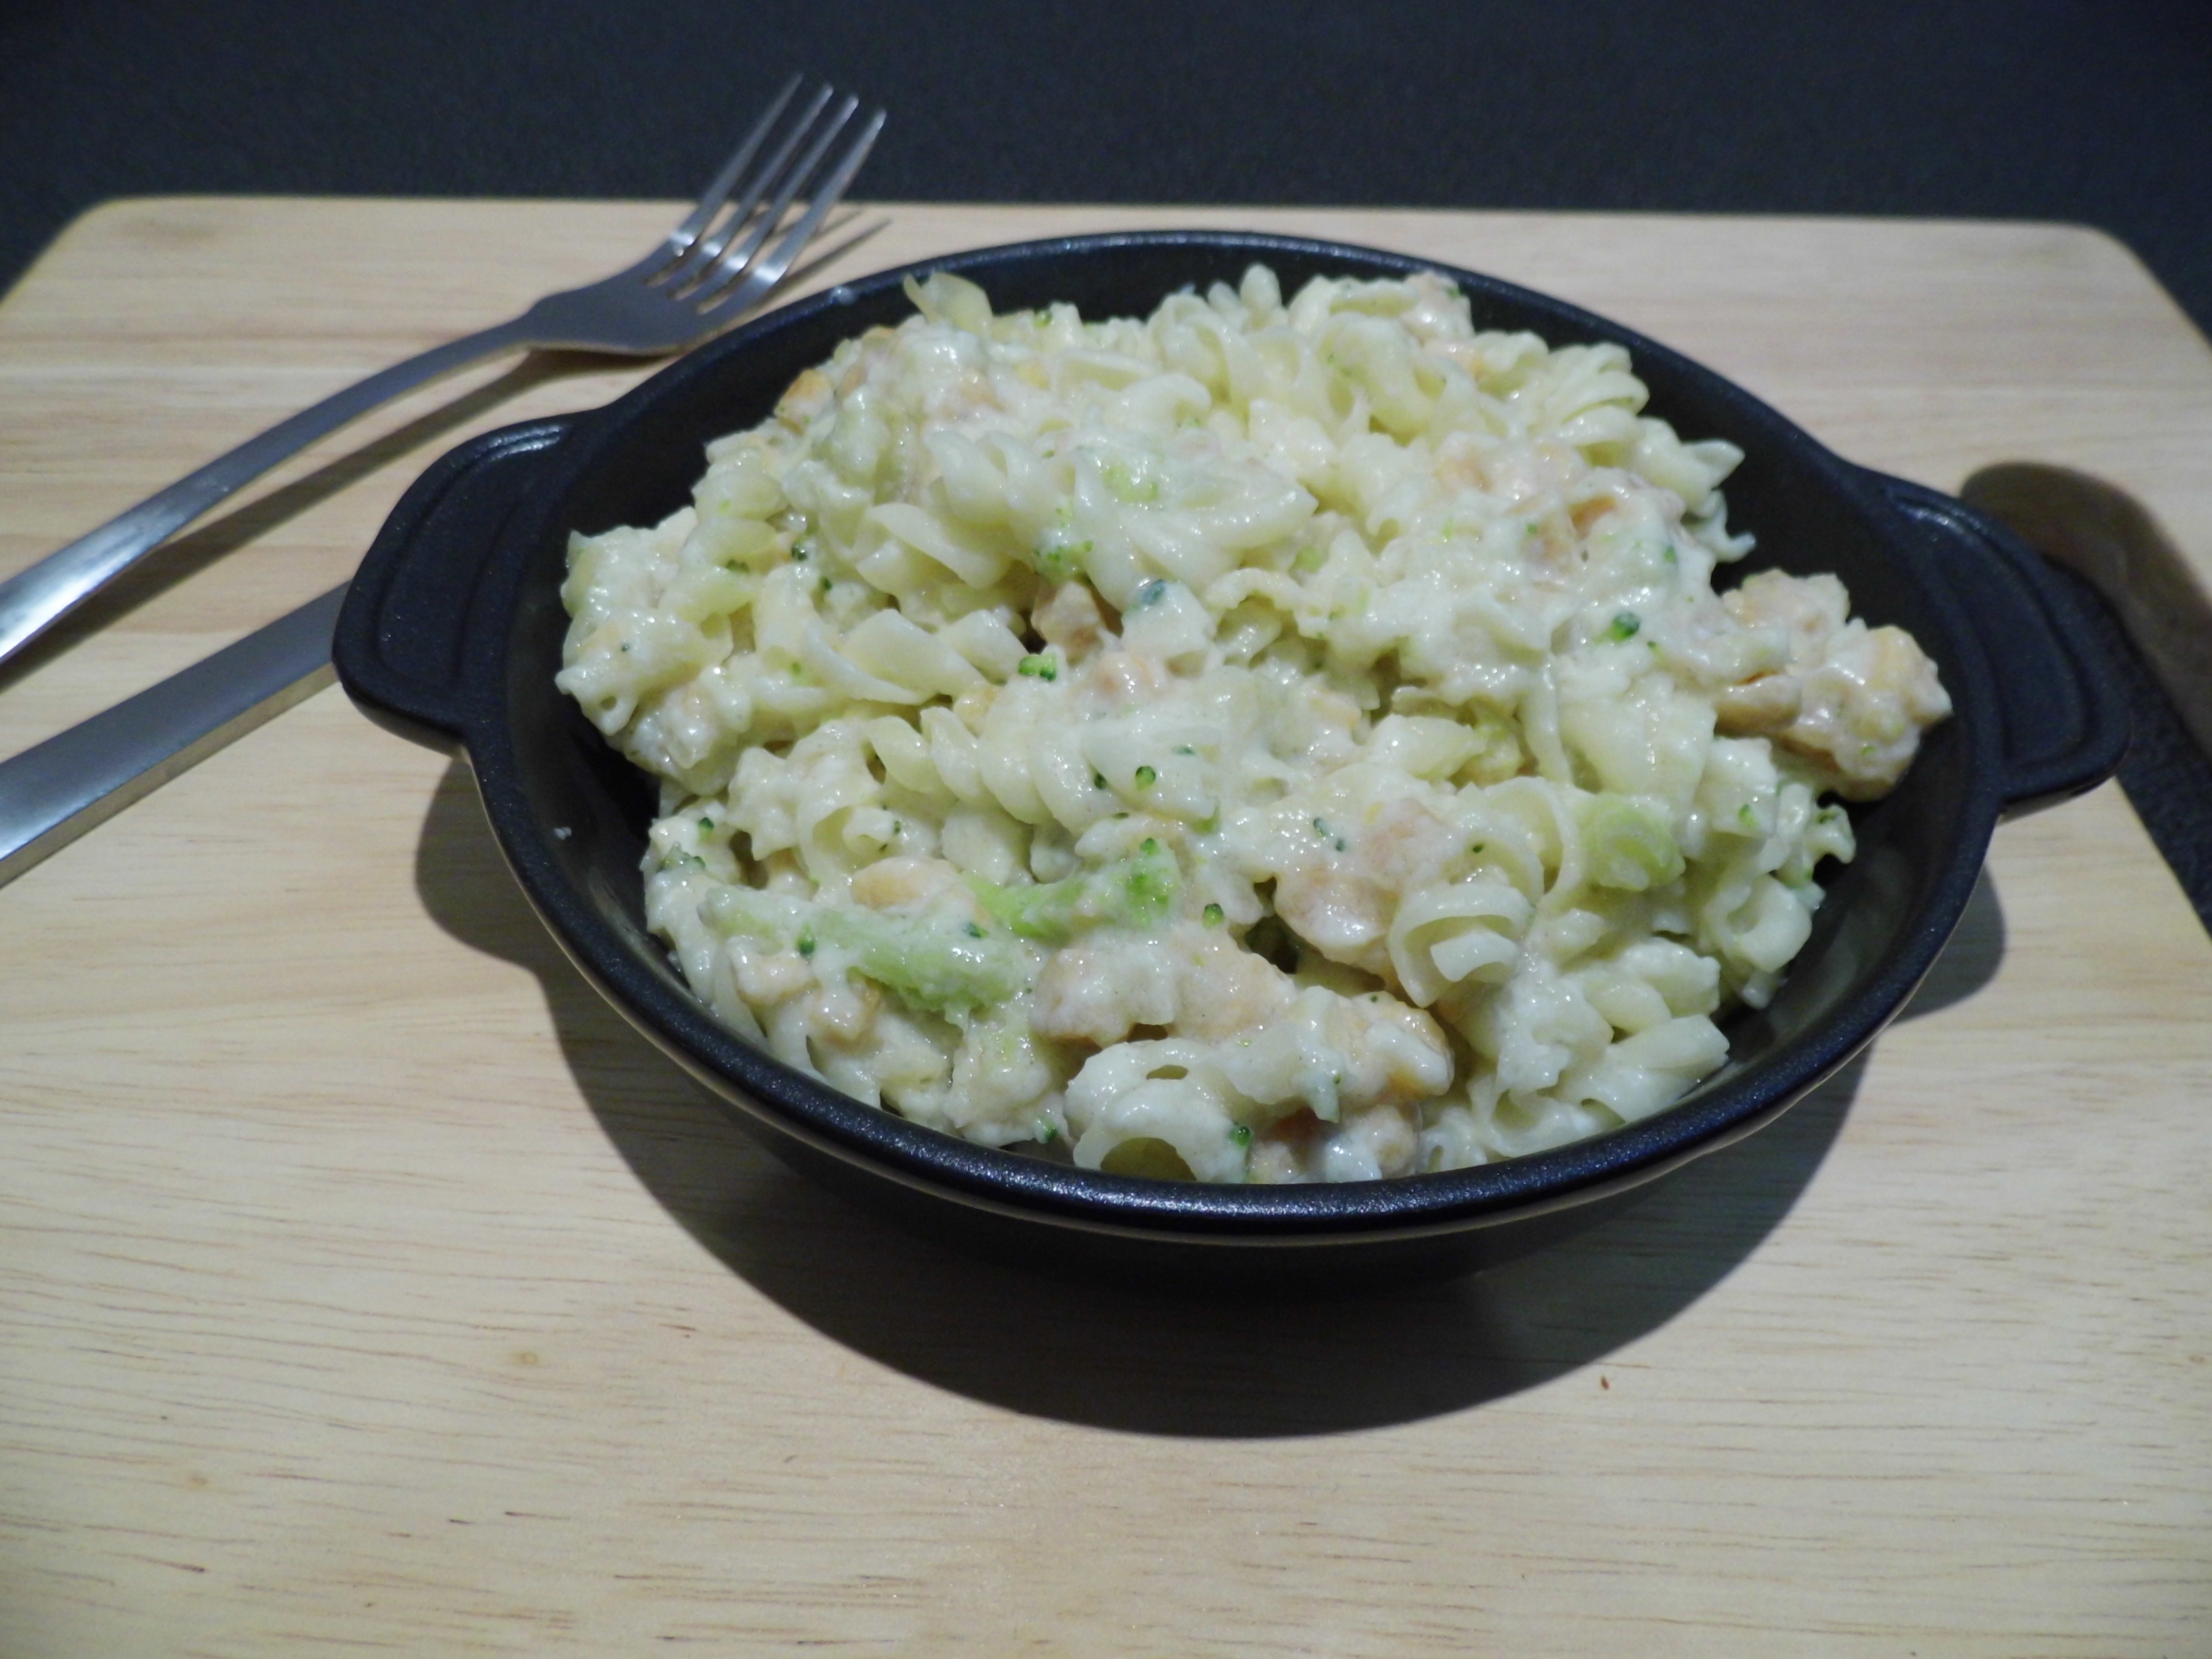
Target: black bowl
(451,633)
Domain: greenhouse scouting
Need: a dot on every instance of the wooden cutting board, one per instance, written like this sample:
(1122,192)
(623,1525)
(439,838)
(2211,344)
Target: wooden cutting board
(366,1282)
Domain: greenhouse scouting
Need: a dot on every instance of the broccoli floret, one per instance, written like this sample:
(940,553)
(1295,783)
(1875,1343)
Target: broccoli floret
(930,964)
(1137,892)
(1627,845)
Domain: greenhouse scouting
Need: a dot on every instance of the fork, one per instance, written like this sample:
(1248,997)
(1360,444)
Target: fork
(704,277)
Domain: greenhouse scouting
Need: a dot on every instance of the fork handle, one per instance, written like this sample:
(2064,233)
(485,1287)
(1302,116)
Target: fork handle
(33,599)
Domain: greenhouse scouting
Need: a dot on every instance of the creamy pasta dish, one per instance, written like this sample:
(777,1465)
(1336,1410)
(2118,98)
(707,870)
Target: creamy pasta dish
(1277,739)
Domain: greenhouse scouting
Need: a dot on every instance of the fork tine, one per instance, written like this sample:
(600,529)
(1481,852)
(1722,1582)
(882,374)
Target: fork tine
(703,254)
(772,216)
(712,267)
(685,235)
(764,274)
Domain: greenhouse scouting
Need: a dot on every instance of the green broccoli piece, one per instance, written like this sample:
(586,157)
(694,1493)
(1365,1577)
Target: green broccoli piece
(1137,892)
(1627,845)
(925,963)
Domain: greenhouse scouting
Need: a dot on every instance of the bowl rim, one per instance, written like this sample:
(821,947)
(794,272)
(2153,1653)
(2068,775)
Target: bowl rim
(789,1102)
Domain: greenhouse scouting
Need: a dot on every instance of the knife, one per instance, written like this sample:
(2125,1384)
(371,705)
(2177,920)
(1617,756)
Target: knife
(79,778)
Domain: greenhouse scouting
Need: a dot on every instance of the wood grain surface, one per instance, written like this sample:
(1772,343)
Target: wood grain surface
(365,1285)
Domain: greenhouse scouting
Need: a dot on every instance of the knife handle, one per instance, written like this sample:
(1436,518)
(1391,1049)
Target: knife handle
(77,779)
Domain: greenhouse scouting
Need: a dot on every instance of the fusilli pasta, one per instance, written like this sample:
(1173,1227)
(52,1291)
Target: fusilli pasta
(1269,740)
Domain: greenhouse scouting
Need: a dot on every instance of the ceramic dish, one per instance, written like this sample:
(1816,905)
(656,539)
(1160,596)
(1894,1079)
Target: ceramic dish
(453,633)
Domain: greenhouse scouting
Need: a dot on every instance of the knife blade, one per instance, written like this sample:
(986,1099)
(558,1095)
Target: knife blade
(76,780)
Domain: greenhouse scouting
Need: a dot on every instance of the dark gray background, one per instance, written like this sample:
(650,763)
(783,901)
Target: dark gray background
(2100,113)
(2097,113)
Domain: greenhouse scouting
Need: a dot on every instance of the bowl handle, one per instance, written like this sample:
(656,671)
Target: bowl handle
(2062,713)
(402,642)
